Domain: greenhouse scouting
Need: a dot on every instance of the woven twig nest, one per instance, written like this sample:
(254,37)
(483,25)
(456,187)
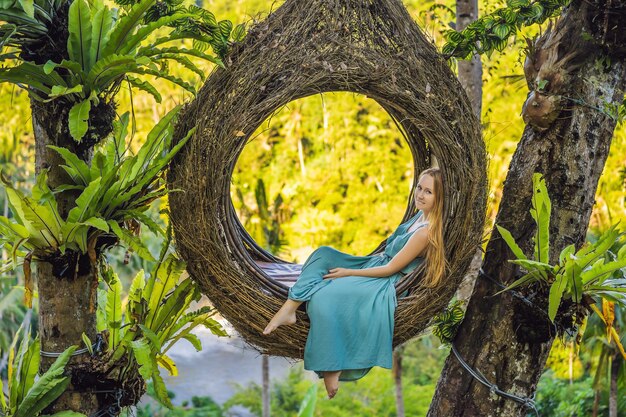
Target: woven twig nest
(306,47)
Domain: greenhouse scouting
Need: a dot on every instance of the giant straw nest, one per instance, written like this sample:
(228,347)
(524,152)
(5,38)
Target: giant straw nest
(306,47)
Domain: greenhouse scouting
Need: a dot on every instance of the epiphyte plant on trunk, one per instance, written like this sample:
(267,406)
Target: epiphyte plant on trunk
(580,278)
(156,318)
(28,393)
(104,49)
(115,192)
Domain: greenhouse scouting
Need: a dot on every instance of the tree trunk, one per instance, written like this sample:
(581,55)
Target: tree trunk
(66,284)
(596,403)
(470,75)
(266,385)
(613,395)
(397,378)
(470,72)
(567,138)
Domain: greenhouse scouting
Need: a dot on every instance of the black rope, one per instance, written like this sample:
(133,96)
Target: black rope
(519,296)
(112,410)
(95,348)
(527,402)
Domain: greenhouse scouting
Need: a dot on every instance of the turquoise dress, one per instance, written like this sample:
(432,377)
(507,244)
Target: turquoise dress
(351,317)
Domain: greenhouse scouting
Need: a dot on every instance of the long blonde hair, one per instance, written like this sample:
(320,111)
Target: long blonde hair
(436,262)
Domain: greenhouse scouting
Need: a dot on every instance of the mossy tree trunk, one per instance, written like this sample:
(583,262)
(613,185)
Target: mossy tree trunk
(574,71)
(66,282)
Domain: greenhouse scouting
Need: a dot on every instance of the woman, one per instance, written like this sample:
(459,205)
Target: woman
(351,300)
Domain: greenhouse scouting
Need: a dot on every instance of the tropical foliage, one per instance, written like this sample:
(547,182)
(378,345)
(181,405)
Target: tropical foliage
(29,393)
(116,189)
(105,49)
(581,276)
(493,30)
(156,317)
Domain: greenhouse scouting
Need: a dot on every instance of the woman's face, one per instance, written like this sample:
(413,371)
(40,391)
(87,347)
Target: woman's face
(425,193)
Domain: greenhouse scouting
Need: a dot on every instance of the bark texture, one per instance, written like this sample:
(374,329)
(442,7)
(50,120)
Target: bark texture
(397,378)
(65,283)
(578,68)
(470,72)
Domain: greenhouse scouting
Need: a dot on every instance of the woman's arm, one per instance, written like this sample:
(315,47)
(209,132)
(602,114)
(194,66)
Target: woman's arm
(411,250)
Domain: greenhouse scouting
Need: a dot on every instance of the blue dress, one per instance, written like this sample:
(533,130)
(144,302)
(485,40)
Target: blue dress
(352,317)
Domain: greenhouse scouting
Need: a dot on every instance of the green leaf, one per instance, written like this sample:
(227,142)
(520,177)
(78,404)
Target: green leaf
(87,342)
(98,223)
(566,253)
(79,167)
(132,241)
(29,367)
(125,27)
(3,402)
(307,406)
(136,287)
(158,139)
(574,280)
(160,389)
(501,31)
(173,307)
(86,203)
(59,91)
(114,311)
(47,388)
(600,270)
(541,209)
(78,119)
(508,238)
(144,219)
(112,68)
(143,353)
(556,292)
(184,61)
(44,223)
(8,227)
(239,33)
(101,317)
(79,39)
(134,40)
(175,80)
(588,254)
(162,280)
(531,277)
(533,265)
(155,169)
(28,6)
(152,337)
(193,339)
(100,32)
(145,86)
(27,74)
(152,51)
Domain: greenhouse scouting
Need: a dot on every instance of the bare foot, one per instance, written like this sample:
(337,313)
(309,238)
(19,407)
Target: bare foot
(286,315)
(331,381)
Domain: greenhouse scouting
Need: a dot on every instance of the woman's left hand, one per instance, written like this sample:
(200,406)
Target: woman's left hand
(338,273)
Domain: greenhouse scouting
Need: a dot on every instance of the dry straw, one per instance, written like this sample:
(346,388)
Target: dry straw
(306,47)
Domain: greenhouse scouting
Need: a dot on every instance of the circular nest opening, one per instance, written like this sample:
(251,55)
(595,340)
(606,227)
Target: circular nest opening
(330,169)
(309,47)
